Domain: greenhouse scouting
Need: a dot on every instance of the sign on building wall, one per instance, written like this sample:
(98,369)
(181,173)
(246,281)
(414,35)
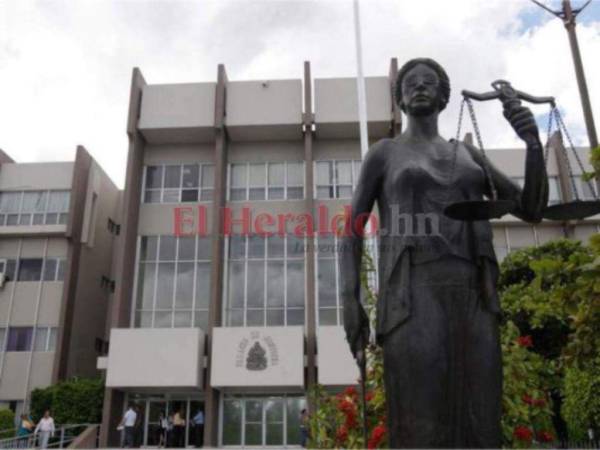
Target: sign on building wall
(336,364)
(256,357)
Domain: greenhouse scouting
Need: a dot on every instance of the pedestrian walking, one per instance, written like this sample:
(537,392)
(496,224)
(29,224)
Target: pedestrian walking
(45,428)
(26,426)
(198,423)
(128,423)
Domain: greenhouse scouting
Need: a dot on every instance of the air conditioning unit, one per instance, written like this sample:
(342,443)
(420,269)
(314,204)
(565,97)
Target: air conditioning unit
(2,280)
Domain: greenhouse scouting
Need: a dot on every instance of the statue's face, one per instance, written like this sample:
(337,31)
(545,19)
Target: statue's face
(421,93)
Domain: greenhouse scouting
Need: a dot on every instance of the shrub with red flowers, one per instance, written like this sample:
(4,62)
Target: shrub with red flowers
(550,338)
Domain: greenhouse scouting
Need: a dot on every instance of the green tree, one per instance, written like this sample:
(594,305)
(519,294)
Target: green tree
(7,423)
(78,400)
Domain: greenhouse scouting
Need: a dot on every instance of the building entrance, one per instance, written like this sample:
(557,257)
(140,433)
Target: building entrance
(170,420)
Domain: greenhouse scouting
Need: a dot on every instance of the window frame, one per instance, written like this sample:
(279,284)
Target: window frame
(20,214)
(200,188)
(194,310)
(286,259)
(334,186)
(267,186)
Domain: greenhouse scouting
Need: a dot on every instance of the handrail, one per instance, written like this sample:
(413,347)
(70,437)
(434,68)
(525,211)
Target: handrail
(63,435)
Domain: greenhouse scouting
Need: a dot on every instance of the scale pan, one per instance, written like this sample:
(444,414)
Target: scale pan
(578,209)
(479,209)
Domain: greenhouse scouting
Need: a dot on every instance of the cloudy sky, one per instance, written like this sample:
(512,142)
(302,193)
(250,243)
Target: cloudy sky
(65,67)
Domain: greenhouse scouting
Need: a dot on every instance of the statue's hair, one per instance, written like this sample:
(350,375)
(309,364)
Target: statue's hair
(436,67)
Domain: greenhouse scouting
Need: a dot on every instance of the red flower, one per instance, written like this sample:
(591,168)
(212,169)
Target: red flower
(377,436)
(342,434)
(350,391)
(523,433)
(351,421)
(545,436)
(346,405)
(525,341)
(369,395)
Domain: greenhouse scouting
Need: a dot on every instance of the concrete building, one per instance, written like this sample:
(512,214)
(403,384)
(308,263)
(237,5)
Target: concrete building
(239,326)
(55,257)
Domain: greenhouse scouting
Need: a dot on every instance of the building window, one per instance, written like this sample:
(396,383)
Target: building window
(2,338)
(266,281)
(261,421)
(336,179)
(54,269)
(173,284)
(266,181)
(329,302)
(179,183)
(19,339)
(554,193)
(45,339)
(586,190)
(30,269)
(34,207)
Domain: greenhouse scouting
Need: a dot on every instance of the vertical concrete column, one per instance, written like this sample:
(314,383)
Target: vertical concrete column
(396,124)
(81,172)
(120,313)
(211,428)
(311,316)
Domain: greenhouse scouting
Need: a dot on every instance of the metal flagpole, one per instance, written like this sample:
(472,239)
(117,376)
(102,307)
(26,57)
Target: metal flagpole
(364,147)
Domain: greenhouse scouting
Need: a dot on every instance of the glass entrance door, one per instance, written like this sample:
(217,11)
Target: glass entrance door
(154,435)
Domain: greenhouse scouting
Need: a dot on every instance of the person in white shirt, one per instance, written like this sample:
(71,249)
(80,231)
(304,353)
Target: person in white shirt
(45,428)
(128,422)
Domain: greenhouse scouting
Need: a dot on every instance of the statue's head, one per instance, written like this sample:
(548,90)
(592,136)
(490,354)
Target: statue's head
(422,87)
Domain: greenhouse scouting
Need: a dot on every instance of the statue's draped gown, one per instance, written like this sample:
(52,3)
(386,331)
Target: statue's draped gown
(438,314)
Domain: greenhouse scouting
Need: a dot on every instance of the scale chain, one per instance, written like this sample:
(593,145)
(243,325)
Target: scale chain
(562,125)
(485,165)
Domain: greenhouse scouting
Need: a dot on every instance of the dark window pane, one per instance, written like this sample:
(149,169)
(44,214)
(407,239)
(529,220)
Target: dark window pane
(255,318)
(294,408)
(164,285)
(295,193)
(295,283)
(295,317)
(256,246)
(184,294)
(146,276)
(148,248)
(275,283)
(154,177)
(237,247)
(324,191)
(191,173)
(253,434)
(238,194)
(295,246)
(326,283)
(274,434)
(172,176)
(328,317)
(187,248)
(167,248)
(275,247)
(276,193)
(236,285)
(256,194)
(232,422)
(256,284)
(253,411)
(50,270)
(204,250)
(202,285)
(275,317)
(19,339)
(152,196)
(62,268)
(30,269)
(189,195)
(11,265)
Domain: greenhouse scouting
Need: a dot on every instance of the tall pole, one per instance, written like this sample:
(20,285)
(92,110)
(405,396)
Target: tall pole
(361,357)
(570,21)
(568,15)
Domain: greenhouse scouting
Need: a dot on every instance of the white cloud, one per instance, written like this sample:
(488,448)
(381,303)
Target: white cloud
(65,67)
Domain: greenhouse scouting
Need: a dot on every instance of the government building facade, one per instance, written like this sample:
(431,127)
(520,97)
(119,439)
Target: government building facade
(214,302)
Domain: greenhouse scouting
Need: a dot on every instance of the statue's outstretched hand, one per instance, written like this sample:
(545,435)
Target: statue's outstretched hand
(356,324)
(522,121)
